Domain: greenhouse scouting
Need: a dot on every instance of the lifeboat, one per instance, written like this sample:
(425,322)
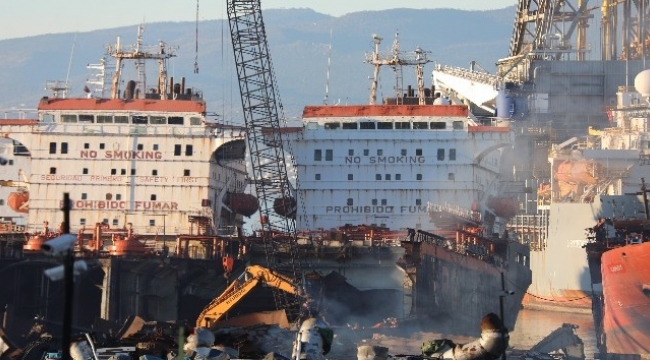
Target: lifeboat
(564,172)
(18,201)
(285,206)
(241,203)
(503,207)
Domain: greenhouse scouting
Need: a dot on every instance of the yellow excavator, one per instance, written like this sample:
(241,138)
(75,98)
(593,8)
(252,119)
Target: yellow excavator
(239,288)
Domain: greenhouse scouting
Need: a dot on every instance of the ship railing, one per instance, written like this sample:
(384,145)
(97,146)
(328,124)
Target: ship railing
(454,210)
(473,75)
(130,129)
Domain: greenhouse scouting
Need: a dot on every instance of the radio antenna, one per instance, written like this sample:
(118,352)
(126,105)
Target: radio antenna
(329,65)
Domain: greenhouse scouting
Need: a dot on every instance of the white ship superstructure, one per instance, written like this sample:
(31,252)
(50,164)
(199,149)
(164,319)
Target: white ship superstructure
(382,164)
(153,162)
(14,192)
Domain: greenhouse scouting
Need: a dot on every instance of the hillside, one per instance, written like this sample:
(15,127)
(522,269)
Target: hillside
(299,42)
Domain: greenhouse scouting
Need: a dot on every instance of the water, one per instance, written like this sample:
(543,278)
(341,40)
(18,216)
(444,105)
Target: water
(533,325)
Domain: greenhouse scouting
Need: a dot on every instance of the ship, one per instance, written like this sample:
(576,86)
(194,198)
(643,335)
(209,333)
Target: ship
(156,189)
(559,92)
(618,251)
(618,246)
(381,165)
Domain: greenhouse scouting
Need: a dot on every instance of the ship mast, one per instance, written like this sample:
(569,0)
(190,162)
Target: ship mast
(396,60)
(139,54)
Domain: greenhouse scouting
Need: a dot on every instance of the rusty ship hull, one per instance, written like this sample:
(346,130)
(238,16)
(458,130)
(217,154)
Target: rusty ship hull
(463,280)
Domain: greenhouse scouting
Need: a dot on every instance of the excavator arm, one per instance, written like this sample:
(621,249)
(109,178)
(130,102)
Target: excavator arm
(239,288)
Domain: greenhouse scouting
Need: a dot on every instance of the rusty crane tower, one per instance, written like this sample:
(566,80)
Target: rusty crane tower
(558,30)
(262,113)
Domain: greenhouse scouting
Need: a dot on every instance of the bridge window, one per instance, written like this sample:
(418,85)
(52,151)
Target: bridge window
(420,125)
(318,155)
(118,196)
(155,147)
(177,150)
(69,118)
(380,152)
(374,201)
(418,177)
(154,172)
(329,155)
(157,120)
(351,152)
(350,202)
(104,119)
(398,176)
(401,125)
(438,125)
(52,148)
(387,177)
(350,177)
(367,125)
(384,202)
(113,171)
(189,150)
(332,125)
(139,119)
(64,148)
(102,146)
(366,152)
(132,171)
(378,177)
(418,152)
(441,154)
(122,171)
(86,118)
(385,125)
(317,177)
(350,126)
(452,154)
(458,125)
(175,120)
(121,119)
(48,118)
(196,121)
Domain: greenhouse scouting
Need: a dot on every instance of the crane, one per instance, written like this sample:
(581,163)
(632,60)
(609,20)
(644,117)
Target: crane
(262,111)
(242,286)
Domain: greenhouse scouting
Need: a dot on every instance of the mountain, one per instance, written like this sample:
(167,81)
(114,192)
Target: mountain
(299,42)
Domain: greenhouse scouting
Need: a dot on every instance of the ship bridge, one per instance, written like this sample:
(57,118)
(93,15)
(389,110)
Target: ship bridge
(467,85)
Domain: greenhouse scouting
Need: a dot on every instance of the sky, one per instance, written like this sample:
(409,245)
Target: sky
(22,18)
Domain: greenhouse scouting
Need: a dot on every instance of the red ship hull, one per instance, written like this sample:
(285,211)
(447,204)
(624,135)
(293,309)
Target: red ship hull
(626,291)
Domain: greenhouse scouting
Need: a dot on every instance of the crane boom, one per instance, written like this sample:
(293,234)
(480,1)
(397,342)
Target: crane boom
(239,288)
(262,111)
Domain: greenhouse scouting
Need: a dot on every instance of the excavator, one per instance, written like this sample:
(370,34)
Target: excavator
(242,286)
